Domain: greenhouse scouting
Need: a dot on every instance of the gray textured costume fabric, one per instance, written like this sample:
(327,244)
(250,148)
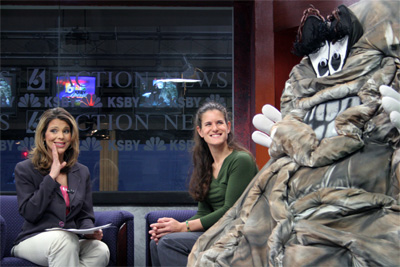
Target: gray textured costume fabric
(328,202)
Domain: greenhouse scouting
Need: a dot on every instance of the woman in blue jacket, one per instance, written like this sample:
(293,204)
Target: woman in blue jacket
(54,190)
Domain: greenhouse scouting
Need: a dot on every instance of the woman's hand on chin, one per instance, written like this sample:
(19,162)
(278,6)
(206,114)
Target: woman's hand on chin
(56,166)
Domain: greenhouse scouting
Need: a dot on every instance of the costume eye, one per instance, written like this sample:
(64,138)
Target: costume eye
(323,63)
(319,60)
(337,54)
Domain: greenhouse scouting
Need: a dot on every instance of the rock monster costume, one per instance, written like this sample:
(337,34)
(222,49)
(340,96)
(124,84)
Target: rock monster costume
(329,196)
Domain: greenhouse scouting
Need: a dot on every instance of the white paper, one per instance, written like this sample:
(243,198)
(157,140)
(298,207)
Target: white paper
(81,231)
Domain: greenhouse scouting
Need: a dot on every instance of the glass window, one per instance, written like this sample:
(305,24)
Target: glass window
(132,77)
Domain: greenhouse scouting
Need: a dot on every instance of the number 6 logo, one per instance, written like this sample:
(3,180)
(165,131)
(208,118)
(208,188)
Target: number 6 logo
(36,81)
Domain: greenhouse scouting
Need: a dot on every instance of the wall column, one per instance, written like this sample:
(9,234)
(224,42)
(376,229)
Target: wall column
(264,64)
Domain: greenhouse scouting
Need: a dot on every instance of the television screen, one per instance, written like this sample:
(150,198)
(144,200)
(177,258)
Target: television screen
(162,94)
(76,88)
(6,95)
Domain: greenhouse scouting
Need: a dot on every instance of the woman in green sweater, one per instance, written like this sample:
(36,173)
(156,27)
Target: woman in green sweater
(222,170)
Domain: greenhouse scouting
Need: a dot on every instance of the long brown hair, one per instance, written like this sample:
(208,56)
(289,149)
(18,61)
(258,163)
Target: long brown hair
(202,159)
(40,156)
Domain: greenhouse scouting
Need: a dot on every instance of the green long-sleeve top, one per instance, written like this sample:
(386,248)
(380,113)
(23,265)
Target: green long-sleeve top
(237,170)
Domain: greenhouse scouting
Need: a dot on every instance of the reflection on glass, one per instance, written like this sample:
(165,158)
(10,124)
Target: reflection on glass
(132,77)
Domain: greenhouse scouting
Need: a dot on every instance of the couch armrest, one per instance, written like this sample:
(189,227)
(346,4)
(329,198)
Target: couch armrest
(119,237)
(151,217)
(2,236)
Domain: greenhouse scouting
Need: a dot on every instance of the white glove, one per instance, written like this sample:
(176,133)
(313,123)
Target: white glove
(391,104)
(264,123)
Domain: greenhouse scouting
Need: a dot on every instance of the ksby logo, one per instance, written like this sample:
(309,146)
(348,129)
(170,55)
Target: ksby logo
(36,79)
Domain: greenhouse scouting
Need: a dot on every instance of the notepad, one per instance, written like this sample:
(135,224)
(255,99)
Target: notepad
(81,231)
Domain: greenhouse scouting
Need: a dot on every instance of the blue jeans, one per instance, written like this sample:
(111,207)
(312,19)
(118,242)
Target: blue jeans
(173,249)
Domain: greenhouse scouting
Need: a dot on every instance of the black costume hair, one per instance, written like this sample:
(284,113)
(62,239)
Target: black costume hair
(343,22)
(314,30)
(312,33)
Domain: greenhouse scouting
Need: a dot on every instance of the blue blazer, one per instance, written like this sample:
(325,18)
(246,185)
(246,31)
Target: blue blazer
(42,204)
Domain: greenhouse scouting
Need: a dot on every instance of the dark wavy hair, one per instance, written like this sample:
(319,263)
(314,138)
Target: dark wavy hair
(343,22)
(311,34)
(202,159)
(40,156)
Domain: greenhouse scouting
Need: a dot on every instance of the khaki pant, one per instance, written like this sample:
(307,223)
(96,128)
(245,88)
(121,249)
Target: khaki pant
(62,249)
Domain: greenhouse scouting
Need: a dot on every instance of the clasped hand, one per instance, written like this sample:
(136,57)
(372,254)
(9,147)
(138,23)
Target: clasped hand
(98,234)
(164,226)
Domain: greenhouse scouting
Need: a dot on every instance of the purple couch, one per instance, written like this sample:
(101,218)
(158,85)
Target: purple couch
(119,237)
